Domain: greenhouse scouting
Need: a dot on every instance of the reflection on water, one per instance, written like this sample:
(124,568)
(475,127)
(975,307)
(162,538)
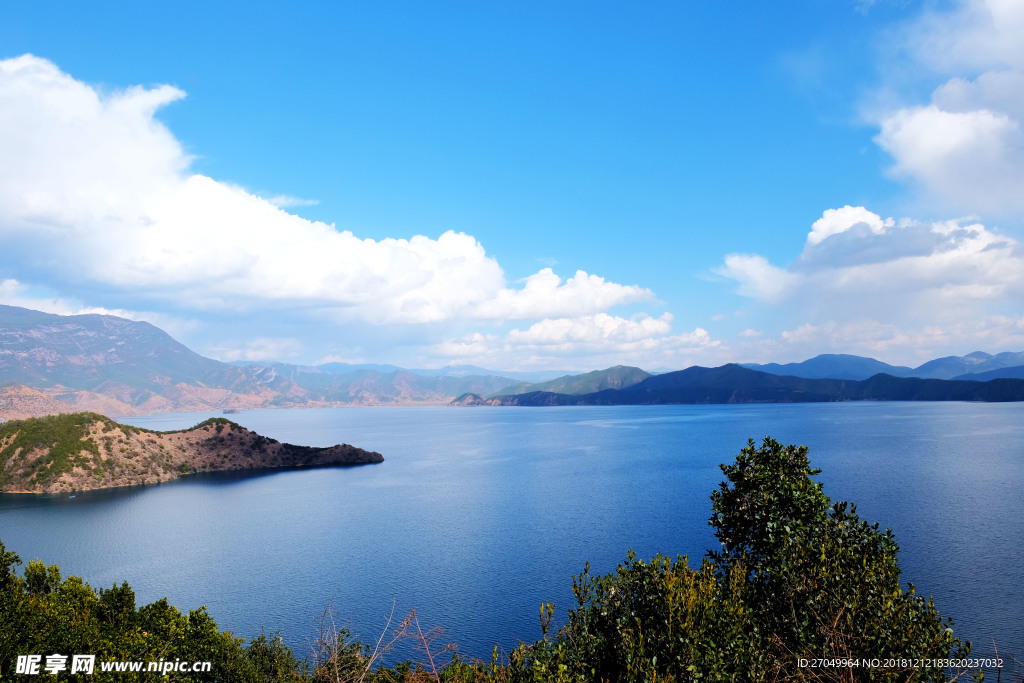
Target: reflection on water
(478,515)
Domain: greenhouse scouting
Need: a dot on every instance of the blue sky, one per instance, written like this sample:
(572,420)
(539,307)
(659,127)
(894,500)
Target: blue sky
(521,185)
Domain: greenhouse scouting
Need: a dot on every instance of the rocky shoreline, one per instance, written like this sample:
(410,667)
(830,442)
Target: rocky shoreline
(87,451)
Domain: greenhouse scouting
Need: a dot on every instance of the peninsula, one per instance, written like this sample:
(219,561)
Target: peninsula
(84,451)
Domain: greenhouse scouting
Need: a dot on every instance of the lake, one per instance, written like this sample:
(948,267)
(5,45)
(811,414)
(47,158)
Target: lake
(478,515)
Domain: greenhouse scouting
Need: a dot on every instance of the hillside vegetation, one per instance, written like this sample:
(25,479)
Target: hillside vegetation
(82,451)
(794,578)
(618,377)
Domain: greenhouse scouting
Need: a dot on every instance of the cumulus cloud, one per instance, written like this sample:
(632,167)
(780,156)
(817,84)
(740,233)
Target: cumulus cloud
(972,159)
(889,270)
(835,221)
(757,277)
(600,329)
(261,349)
(545,294)
(602,339)
(93,179)
(965,148)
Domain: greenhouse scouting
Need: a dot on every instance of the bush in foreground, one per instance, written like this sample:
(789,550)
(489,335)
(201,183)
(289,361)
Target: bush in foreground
(795,577)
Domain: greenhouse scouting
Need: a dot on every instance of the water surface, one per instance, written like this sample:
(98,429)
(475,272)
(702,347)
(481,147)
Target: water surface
(478,515)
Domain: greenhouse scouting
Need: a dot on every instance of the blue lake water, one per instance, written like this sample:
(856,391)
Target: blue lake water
(478,515)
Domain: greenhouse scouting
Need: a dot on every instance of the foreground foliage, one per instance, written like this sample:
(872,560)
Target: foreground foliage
(795,577)
(43,614)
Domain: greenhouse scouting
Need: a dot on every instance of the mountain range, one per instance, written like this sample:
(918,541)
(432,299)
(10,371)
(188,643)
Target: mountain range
(975,365)
(110,365)
(114,366)
(736,384)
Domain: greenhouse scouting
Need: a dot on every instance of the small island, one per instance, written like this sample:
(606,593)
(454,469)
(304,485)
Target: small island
(86,451)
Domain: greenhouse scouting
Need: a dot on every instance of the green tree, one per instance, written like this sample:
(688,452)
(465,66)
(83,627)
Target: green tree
(41,614)
(822,582)
(647,621)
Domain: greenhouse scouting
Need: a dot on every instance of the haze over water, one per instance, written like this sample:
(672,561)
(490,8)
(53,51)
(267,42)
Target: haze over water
(478,515)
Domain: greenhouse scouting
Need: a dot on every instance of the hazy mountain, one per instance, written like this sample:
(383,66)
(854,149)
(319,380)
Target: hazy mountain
(842,366)
(85,351)
(737,384)
(1015,372)
(121,367)
(971,364)
(617,377)
(116,366)
(832,366)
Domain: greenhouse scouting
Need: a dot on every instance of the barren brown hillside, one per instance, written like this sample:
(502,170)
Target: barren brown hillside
(82,451)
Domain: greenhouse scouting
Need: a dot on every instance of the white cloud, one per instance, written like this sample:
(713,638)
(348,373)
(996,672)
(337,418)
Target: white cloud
(965,148)
(887,270)
(971,35)
(260,349)
(93,179)
(757,277)
(972,159)
(545,294)
(835,221)
(597,330)
(283,201)
(599,341)
(474,346)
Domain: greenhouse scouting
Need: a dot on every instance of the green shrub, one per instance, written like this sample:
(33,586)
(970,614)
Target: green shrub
(821,581)
(42,614)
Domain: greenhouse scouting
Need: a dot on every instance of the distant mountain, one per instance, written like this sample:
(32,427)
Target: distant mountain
(18,402)
(116,366)
(85,351)
(971,364)
(618,377)
(1015,372)
(842,366)
(832,366)
(110,365)
(737,384)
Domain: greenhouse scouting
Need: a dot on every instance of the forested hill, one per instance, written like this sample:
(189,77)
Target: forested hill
(617,377)
(83,451)
(737,384)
